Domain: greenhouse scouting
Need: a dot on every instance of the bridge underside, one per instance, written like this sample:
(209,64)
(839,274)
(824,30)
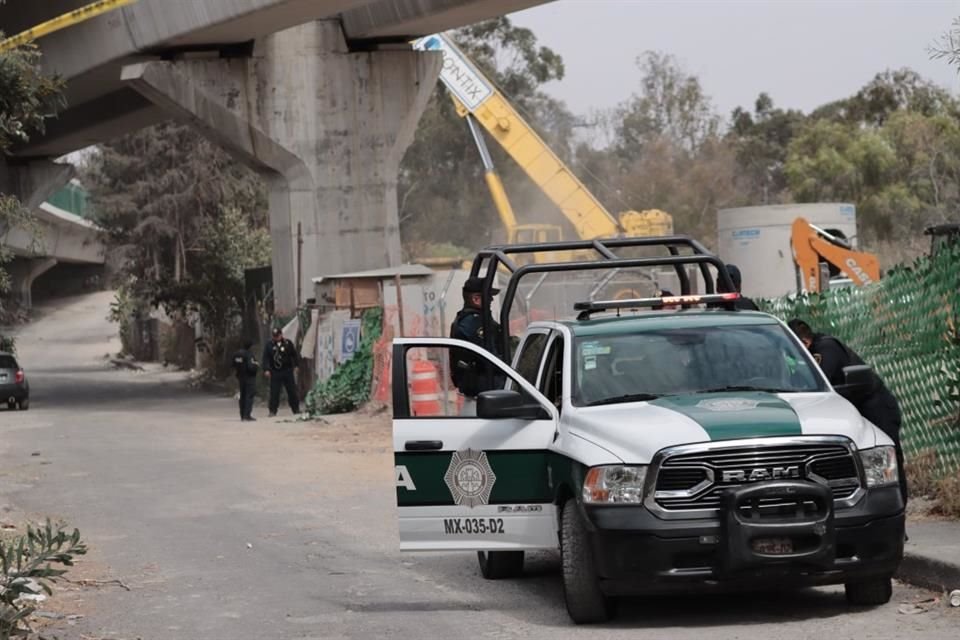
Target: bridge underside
(321,96)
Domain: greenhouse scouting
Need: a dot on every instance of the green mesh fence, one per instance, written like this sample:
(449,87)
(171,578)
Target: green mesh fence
(906,326)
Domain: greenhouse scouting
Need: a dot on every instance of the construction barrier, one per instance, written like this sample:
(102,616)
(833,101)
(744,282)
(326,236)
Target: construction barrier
(907,326)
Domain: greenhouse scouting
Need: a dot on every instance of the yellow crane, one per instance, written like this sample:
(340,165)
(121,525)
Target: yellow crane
(481,104)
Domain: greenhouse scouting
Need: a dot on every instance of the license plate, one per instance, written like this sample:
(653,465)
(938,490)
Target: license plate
(773,546)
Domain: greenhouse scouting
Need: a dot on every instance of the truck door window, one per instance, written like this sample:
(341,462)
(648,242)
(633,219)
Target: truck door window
(531,355)
(552,382)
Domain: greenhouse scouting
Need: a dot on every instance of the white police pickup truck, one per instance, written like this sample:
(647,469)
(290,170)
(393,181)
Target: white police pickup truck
(689,448)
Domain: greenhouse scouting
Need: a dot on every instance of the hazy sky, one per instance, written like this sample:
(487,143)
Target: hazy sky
(802,53)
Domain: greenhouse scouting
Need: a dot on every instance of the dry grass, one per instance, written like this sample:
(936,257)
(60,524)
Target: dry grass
(925,479)
(948,495)
(923,476)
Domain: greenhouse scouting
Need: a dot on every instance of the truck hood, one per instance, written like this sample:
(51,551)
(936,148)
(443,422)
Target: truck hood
(635,431)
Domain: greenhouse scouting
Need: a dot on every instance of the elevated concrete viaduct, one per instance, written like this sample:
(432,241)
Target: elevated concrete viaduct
(322,96)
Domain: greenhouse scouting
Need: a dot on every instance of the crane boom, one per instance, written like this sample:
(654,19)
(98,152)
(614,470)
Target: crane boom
(475,96)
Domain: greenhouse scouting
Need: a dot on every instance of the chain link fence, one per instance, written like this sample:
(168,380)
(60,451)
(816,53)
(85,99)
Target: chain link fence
(906,327)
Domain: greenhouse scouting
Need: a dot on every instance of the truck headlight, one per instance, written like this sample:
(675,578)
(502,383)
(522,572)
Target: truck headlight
(614,484)
(880,466)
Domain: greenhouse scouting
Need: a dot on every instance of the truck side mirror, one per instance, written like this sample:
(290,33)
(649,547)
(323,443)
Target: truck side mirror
(499,404)
(858,382)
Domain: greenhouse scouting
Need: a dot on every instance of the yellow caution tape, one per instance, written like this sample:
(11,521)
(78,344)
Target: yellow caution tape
(62,22)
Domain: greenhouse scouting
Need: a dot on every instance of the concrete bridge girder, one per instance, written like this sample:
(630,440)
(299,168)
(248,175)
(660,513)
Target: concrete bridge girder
(23,272)
(326,126)
(33,181)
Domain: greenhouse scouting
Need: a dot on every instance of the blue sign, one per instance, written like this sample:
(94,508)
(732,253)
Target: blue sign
(349,339)
(746,233)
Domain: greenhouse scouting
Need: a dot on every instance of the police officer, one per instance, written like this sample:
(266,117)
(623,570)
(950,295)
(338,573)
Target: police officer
(469,372)
(743,303)
(879,406)
(245,365)
(280,358)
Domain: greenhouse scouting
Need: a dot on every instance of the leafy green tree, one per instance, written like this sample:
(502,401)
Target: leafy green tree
(889,91)
(27,99)
(188,219)
(442,194)
(760,139)
(897,160)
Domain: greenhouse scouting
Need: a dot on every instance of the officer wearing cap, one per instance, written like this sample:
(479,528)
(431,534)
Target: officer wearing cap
(469,372)
(743,303)
(280,358)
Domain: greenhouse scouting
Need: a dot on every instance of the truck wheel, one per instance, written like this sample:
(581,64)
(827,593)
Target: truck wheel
(497,565)
(581,586)
(24,405)
(869,592)
(11,406)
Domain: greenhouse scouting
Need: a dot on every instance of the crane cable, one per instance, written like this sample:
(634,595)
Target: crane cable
(62,22)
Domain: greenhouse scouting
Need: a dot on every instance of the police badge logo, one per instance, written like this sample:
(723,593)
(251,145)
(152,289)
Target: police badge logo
(470,478)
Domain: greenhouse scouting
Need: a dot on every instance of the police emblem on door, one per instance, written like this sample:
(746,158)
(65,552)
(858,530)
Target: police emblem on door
(470,478)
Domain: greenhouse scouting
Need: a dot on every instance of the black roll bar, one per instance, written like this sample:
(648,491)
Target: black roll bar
(631,263)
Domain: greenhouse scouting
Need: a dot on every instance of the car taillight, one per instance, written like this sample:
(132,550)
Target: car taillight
(19,377)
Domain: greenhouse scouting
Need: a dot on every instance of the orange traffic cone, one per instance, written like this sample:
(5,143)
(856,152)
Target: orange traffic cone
(425,389)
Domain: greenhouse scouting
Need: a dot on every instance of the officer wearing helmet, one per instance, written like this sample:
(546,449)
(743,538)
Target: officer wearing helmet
(469,372)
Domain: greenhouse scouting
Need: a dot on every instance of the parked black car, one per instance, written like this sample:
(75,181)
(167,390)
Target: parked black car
(14,388)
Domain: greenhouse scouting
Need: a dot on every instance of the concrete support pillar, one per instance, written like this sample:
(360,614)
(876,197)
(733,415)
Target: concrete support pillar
(33,181)
(326,126)
(23,272)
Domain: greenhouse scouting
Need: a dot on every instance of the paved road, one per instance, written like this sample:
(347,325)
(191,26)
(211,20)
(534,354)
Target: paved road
(282,530)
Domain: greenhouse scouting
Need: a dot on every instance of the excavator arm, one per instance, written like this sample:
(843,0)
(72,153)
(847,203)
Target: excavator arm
(812,245)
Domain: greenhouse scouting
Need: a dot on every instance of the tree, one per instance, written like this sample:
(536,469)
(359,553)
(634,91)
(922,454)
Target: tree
(671,104)
(188,218)
(901,175)
(760,140)
(947,47)
(27,99)
(443,196)
(888,92)
(666,151)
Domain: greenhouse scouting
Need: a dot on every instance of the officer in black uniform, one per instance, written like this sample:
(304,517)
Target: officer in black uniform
(743,303)
(879,406)
(280,358)
(245,365)
(469,372)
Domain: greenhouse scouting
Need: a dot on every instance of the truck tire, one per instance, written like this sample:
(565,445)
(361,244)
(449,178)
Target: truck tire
(869,592)
(497,565)
(24,404)
(586,603)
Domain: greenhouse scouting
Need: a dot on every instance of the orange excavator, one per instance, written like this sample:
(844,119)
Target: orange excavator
(820,254)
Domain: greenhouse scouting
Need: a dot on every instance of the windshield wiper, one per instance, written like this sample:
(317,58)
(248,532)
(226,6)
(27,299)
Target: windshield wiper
(743,387)
(628,397)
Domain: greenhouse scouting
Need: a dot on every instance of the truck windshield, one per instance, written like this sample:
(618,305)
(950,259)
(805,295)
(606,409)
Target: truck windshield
(643,365)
